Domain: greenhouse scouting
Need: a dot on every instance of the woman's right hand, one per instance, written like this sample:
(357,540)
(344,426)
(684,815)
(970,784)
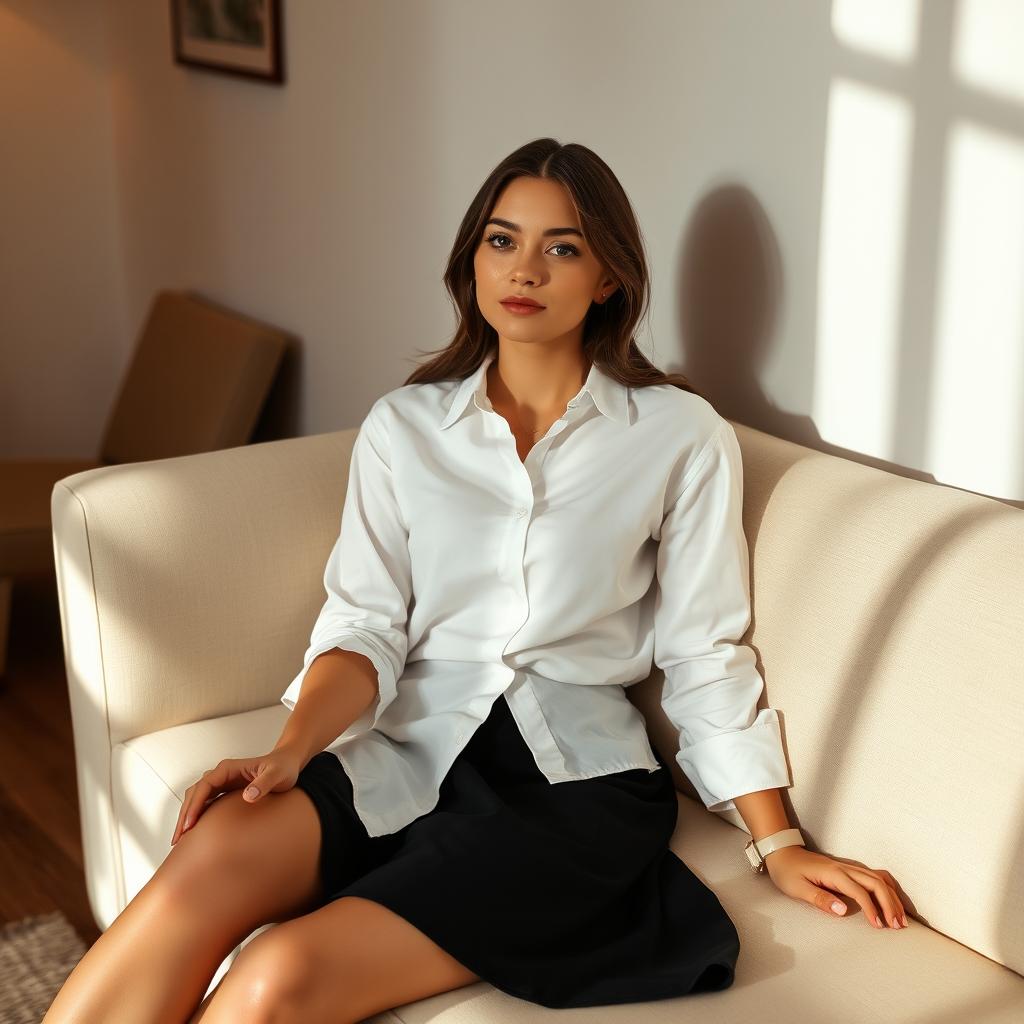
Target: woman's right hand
(275,772)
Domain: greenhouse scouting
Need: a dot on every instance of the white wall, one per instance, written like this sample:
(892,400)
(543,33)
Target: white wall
(831,194)
(62,304)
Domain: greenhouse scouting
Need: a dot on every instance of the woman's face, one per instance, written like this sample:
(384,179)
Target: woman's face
(516,256)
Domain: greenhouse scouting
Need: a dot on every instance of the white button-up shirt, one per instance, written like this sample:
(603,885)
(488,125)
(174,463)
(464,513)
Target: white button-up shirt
(466,574)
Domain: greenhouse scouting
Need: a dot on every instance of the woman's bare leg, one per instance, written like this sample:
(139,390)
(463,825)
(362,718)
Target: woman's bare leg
(345,962)
(239,867)
(205,1004)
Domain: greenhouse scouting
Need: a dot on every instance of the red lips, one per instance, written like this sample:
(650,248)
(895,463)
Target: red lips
(521,300)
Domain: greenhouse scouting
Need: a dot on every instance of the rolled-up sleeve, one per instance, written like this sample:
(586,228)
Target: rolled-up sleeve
(368,577)
(727,748)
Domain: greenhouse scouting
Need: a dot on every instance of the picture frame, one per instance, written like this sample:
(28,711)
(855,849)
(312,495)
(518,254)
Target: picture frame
(233,37)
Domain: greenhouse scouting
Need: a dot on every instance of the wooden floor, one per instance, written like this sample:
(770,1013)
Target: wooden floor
(40,838)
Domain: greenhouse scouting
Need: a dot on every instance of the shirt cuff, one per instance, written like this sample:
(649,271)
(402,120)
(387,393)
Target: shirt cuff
(731,764)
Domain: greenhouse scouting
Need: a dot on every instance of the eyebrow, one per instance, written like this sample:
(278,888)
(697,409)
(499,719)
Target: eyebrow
(550,231)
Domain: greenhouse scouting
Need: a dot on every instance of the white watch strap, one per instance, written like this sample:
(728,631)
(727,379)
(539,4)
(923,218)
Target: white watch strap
(757,851)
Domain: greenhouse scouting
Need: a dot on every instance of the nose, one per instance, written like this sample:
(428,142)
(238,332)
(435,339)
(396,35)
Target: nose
(527,270)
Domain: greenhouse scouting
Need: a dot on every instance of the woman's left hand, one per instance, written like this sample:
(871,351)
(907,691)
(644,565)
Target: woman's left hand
(815,878)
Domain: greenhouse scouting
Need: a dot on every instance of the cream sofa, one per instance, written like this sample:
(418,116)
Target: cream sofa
(888,620)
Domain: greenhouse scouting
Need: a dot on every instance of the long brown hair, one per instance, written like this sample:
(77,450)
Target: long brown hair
(610,227)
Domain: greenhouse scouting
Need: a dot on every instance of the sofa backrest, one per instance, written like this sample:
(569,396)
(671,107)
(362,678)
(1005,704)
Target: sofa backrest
(888,620)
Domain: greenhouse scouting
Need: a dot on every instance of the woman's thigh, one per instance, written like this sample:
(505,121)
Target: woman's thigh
(348,960)
(247,864)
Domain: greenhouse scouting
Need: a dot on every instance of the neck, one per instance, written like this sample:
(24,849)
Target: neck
(534,383)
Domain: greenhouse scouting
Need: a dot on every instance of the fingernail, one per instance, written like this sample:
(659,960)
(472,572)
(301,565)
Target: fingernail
(903,920)
(878,923)
(896,923)
(839,908)
(252,792)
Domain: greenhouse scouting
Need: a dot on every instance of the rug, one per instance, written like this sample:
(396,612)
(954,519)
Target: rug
(36,956)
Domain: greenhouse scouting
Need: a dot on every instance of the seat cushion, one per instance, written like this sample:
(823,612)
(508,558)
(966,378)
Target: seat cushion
(795,961)
(149,776)
(795,964)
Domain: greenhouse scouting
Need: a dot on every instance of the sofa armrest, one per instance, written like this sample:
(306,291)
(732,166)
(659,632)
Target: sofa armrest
(187,589)
(188,586)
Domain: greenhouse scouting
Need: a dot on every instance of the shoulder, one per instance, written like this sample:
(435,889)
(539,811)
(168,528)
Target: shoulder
(405,414)
(687,422)
(414,398)
(668,405)
(694,436)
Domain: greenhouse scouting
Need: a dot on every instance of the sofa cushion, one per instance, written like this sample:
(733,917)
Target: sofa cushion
(889,622)
(151,773)
(792,955)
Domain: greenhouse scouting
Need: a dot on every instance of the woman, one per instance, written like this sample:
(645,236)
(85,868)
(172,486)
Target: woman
(462,789)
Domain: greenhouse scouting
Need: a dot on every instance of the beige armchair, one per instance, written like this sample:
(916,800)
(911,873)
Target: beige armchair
(888,620)
(199,376)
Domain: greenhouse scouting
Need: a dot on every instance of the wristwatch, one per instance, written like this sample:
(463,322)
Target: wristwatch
(757,851)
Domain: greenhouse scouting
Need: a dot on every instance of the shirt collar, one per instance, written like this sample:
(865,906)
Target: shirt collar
(609,395)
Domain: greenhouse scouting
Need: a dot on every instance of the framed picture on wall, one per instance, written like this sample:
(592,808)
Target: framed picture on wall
(234,37)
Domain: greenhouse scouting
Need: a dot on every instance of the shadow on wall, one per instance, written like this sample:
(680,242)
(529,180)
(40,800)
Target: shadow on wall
(729,292)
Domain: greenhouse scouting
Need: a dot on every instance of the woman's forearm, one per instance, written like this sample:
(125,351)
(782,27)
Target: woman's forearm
(339,686)
(762,812)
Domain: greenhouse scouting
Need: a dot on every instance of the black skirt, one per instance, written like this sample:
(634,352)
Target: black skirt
(565,894)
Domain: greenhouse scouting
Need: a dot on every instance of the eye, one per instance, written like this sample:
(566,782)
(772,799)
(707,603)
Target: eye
(497,234)
(573,251)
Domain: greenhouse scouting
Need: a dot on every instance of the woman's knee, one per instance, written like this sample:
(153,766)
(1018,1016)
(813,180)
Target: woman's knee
(217,843)
(236,844)
(271,979)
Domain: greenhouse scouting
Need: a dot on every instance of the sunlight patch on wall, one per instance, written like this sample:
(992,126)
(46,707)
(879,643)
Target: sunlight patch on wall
(882,28)
(987,47)
(860,266)
(976,434)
